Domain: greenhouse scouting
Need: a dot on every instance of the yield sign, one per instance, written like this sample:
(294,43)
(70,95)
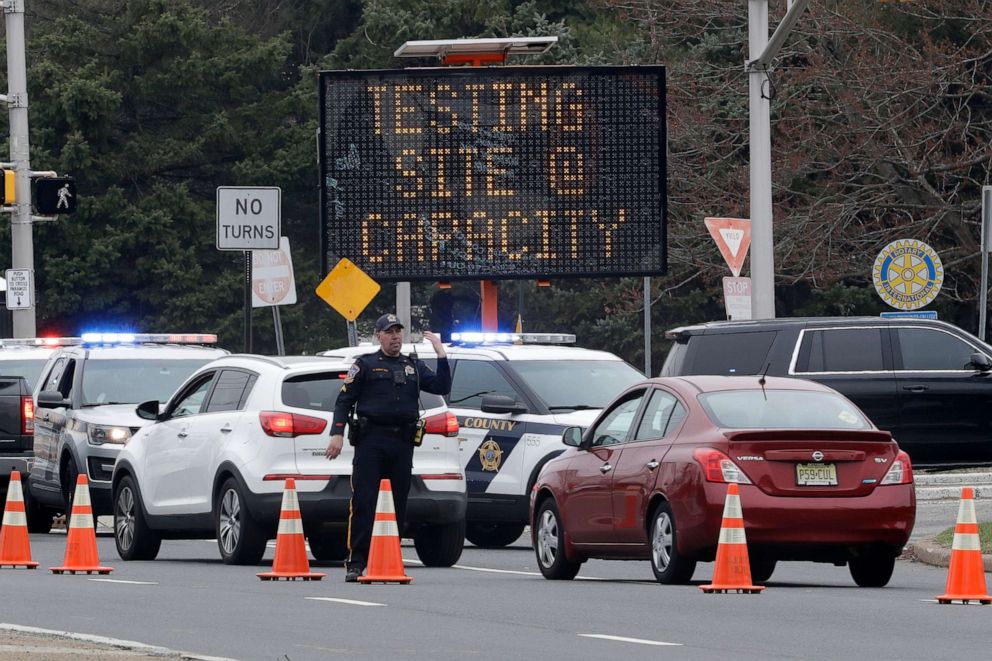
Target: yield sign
(733,238)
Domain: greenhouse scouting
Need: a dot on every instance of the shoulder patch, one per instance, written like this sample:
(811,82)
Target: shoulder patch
(352,373)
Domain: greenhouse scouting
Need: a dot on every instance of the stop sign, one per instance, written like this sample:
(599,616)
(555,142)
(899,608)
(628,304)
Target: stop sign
(272,281)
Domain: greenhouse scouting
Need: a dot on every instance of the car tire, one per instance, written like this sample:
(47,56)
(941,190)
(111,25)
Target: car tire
(70,476)
(873,569)
(329,547)
(669,566)
(761,570)
(549,544)
(240,539)
(493,535)
(440,545)
(39,518)
(132,536)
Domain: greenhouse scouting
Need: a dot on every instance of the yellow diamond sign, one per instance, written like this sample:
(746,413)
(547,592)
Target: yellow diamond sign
(348,289)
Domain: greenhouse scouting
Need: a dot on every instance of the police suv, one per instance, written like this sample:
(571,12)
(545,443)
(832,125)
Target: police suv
(514,394)
(85,401)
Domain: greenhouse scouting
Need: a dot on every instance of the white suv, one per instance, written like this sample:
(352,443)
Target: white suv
(513,395)
(215,462)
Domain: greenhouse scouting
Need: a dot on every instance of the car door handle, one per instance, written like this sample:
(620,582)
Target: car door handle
(605,468)
(915,388)
(182,434)
(652,464)
(227,429)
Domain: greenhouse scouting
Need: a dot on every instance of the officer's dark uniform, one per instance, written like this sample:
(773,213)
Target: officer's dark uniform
(384,390)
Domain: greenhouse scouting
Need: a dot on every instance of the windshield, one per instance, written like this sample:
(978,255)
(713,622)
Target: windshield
(782,409)
(577,384)
(134,381)
(29,369)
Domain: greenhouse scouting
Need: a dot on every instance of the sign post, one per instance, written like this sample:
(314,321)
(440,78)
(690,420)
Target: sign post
(348,289)
(273,284)
(248,219)
(986,238)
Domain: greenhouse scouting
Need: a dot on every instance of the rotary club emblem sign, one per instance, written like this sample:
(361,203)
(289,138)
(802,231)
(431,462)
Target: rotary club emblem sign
(908,274)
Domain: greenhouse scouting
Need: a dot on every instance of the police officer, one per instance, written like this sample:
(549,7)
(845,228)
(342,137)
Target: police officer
(384,388)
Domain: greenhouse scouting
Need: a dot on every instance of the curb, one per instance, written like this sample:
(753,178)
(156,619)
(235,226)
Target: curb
(929,552)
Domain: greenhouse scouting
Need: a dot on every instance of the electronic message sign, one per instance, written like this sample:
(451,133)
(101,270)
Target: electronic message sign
(494,173)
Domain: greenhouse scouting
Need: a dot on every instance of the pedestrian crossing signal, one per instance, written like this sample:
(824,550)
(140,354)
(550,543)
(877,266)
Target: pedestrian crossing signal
(9,187)
(54,195)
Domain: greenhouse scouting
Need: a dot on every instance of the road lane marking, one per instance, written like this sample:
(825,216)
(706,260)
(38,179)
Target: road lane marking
(624,639)
(117,580)
(408,561)
(351,602)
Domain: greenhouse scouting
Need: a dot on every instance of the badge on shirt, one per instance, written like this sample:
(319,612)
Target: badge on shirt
(409,370)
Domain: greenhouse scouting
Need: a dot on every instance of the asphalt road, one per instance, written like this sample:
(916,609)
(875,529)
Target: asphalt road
(493,605)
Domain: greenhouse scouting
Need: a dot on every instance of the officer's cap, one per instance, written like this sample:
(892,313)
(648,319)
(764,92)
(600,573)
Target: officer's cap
(387,321)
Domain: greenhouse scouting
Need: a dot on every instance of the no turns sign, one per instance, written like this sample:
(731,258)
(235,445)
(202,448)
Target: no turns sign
(272,280)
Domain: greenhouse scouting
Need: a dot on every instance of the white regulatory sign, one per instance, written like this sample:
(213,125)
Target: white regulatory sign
(248,218)
(20,293)
(272,281)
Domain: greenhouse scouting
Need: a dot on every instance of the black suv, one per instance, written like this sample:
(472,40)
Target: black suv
(927,382)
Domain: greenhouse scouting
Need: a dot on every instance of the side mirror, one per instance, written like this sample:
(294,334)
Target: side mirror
(502,404)
(572,436)
(981,362)
(148,410)
(51,399)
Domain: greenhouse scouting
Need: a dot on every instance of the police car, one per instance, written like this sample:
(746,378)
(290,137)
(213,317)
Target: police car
(514,394)
(85,401)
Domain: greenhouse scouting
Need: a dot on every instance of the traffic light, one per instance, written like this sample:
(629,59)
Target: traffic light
(9,189)
(55,195)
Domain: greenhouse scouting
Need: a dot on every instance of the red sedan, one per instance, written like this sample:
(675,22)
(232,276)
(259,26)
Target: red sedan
(648,479)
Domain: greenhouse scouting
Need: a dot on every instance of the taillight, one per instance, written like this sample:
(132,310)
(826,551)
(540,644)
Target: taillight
(718,467)
(288,425)
(27,414)
(445,424)
(901,471)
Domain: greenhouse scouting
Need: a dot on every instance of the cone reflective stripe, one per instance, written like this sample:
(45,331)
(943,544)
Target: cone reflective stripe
(80,545)
(385,557)
(732,570)
(966,575)
(290,561)
(15,547)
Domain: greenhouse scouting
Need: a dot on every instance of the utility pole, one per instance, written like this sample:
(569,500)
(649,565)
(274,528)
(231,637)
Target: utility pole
(761,51)
(21,229)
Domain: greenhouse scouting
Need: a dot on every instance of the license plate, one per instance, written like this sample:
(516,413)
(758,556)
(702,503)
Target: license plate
(816,475)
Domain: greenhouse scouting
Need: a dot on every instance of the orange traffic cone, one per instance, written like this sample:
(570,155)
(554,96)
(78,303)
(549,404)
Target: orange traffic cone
(966,576)
(80,547)
(15,548)
(291,553)
(732,570)
(385,558)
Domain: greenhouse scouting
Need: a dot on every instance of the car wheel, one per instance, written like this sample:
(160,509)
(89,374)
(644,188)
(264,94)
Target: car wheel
(762,570)
(873,569)
(70,476)
(39,517)
(549,544)
(132,536)
(440,545)
(493,535)
(240,538)
(329,547)
(669,566)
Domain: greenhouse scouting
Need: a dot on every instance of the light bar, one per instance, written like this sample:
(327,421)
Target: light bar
(475,337)
(41,342)
(158,338)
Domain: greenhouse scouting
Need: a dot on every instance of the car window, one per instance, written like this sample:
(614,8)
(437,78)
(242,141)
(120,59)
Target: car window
(229,391)
(29,369)
(473,379)
(52,379)
(929,349)
(107,381)
(730,353)
(781,409)
(615,426)
(319,391)
(191,400)
(657,414)
(843,350)
(576,384)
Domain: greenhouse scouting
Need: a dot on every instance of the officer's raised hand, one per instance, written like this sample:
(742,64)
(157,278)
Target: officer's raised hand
(435,342)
